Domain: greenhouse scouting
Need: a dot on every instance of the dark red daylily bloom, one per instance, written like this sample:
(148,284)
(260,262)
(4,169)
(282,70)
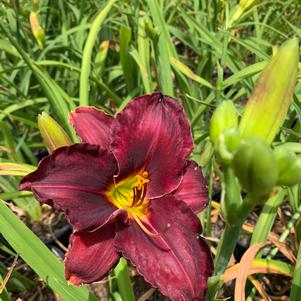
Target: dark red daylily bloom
(129,190)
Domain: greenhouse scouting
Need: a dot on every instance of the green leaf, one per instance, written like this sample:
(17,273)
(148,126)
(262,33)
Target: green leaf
(17,282)
(124,281)
(267,217)
(87,53)
(128,67)
(39,257)
(296,284)
(4,295)
(164,48)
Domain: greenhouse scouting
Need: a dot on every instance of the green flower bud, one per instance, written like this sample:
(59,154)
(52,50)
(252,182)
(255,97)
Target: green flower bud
(37,29)
(226,144)
(241,8)
(268,105)
(232,138)
(53,134)
(255,166)
(224,117)
(288,166)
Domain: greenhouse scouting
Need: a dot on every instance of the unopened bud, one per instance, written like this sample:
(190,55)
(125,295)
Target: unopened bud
(37,29)
(226,144)
(241,8)
(53,134)
(272,95)
(246,3)
(255,166)
(288,166)
(224,117)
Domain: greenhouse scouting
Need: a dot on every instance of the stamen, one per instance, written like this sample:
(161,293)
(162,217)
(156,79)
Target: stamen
(142,197)
(143,228)
(146,231)
(136,196)
(139,189)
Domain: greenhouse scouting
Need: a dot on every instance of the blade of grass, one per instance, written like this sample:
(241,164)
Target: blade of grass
(87,53)
(163,47)
(9,142)
(296,283)
(39,257)
(8,275)
(3,293)
(17,282)
(267,217)
(189,73)
(124,281)
(143,71)
(27,203)
(57,97)
(125,36)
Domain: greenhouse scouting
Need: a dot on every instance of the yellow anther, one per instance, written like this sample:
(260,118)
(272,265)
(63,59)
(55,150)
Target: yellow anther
(141,180)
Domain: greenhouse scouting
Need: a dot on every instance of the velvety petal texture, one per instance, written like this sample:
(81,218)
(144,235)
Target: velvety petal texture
(152,133)
(92,125)
(129,190)
(91,255)
(193,188)
(178,262)
(73,179)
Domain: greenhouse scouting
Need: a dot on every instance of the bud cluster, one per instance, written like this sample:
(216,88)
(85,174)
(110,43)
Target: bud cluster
(245,146)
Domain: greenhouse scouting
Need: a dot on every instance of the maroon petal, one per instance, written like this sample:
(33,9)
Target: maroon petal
(193,189)
(178,261)
(152,132)
(92,125)
(91,255)
(72,179)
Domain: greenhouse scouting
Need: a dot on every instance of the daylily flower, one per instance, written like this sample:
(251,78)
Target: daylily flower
(128,190)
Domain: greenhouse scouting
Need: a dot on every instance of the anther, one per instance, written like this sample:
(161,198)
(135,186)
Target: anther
(142,197)
(139,189)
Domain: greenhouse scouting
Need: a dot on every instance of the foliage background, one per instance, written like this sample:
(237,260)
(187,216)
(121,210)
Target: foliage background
(192,50)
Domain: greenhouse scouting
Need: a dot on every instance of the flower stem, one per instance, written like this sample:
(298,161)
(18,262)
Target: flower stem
(226,247)
(296,284)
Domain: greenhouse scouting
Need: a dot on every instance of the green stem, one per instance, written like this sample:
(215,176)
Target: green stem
(287,231)
(226,247)
(267,217)
(87,54)
(296,283)
(232,202)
